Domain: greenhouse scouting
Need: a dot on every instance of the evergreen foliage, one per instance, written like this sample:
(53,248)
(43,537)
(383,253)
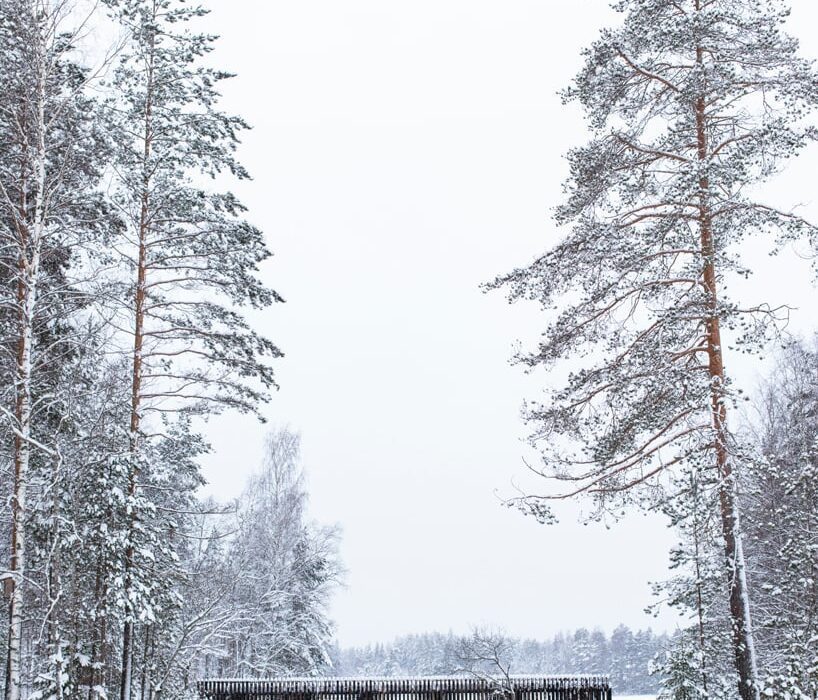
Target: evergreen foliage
(124,269)
(691,104)
(128,269)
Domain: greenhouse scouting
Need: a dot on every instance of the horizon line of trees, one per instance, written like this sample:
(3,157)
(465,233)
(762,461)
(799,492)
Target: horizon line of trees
(626,656)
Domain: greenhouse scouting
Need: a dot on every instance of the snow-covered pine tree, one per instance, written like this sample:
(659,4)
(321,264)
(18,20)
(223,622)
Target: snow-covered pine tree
(781,525)
(91,444)
(171,614)
(63,522)
(690,102)
(698,663)
(681,669)
(622,652)
(193,257)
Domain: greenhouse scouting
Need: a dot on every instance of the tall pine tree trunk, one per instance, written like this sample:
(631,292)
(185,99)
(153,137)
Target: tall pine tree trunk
(136,387)
(133,471)
(744,647)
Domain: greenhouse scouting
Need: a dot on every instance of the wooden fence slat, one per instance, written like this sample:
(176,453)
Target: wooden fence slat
(424,688)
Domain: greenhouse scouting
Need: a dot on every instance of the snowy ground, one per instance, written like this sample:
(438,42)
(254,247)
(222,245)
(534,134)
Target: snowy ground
(634,697)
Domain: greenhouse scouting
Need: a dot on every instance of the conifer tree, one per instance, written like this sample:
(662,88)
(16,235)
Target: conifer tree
(690,102)
(698,663)
(192,256)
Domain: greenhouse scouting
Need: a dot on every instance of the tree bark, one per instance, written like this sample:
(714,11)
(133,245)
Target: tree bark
(22,455)
(30,233)
(744,648)
(136,385)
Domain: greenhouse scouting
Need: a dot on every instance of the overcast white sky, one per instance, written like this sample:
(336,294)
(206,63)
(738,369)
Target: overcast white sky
(403,153)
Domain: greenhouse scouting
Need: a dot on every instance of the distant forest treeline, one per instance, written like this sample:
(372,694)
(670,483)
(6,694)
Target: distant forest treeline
(625,655)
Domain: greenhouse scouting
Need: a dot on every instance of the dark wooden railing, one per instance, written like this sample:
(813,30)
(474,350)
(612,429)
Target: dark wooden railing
(426,688)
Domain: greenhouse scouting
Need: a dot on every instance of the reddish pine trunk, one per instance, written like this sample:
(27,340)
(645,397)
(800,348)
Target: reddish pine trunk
(744,648)
(136,387)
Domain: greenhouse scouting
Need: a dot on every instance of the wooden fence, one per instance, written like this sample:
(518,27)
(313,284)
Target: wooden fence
(426,688)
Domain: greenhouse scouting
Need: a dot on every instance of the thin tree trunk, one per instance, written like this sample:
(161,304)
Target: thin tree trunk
(30,232)
(99,650)
(146,664)
(699,600)
(22,454)
(136,391)
(55,584)
(743,644)
(136,386)
(96,634)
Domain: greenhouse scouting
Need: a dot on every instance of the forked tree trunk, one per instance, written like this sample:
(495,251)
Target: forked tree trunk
(744,648)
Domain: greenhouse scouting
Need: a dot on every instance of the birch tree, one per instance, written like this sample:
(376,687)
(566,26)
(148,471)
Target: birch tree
(487,654)
(192,256)
(50,213)
(690,102)
(285,569)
